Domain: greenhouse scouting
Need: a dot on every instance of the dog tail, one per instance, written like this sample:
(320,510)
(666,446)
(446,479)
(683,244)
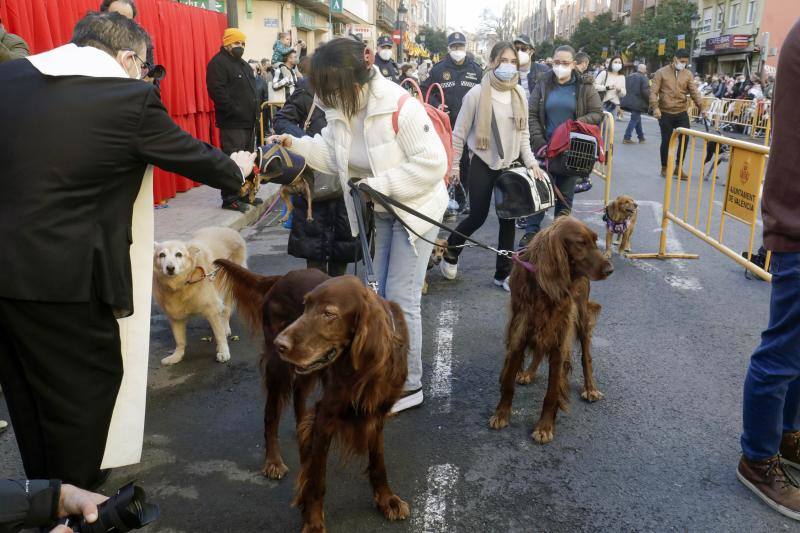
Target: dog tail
(247,289)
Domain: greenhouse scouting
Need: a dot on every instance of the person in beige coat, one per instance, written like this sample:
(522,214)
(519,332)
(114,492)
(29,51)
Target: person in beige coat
(611,85)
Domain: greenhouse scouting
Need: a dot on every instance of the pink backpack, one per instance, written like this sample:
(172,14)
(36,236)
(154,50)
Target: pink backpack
(438,116)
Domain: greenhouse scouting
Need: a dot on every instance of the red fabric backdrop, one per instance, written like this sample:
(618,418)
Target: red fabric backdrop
(185,38)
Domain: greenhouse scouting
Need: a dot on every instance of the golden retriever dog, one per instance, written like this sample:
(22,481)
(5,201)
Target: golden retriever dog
(620,219)
(436,257)
(185,285)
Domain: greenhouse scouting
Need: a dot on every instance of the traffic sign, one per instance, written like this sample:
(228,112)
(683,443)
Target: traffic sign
(336,6)
(396,37)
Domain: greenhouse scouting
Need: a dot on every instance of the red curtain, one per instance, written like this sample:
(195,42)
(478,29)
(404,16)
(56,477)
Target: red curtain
(185,39)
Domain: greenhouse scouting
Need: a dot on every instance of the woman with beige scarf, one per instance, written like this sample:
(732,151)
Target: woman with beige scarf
(499,95)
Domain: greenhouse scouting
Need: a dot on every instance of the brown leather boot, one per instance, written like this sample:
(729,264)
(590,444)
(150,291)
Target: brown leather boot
(790,449)
(769,480)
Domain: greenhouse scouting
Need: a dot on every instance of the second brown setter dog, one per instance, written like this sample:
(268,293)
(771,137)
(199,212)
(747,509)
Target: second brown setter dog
(271,303)
(357,343)
(549,305)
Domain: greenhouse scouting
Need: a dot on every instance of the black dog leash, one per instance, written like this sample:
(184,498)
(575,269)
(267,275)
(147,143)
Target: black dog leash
(369,271)
(389,204)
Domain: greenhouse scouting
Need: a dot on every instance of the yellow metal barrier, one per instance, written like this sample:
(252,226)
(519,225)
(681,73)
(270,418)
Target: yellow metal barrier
(753,115)
(604,169)
(742,194)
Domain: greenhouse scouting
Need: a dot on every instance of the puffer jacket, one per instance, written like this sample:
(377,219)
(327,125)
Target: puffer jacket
(327,237)
(407,165)
(588,107)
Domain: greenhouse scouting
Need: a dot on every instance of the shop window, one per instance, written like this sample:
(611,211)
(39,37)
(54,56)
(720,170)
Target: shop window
(733,18)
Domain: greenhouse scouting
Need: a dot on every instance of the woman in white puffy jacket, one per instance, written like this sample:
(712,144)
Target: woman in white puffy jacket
(611,82)
(407,165)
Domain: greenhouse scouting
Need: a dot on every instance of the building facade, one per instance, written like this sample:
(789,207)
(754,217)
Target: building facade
(727,36)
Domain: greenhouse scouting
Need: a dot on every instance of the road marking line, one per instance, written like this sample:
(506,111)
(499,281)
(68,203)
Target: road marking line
(442,378)
(439,496)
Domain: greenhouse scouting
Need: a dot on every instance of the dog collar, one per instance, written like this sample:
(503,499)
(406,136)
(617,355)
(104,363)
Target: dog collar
(617,227)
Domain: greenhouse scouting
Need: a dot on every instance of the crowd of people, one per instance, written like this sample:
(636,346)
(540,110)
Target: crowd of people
(345,112)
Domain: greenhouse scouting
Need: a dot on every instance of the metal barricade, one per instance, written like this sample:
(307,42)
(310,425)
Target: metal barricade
(604,169)
(745,175)
(752,115)
(272,108)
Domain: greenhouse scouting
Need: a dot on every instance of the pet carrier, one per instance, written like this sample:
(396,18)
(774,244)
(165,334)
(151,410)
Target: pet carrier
(578,159)
(518,194)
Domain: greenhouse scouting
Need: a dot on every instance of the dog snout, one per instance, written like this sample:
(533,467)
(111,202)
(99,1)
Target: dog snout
(170,269)
(283,344)
(608,268)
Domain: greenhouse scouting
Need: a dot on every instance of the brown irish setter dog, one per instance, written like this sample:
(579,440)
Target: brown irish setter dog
(549,306)
(271,303)
(357,343)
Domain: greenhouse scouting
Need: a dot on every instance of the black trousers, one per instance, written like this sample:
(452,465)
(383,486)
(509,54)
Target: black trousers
(668,123)
(481,187)
(331,268)
(61,368)
(234,140)
(461,194)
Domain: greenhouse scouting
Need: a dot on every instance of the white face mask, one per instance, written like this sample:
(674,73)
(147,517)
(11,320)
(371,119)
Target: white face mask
(138,75)
(616,67)
(524,58)
(385,54)
(679,66)
(458,55)
(562,72)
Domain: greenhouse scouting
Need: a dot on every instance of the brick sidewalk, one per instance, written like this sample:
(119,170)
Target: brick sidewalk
(200,208)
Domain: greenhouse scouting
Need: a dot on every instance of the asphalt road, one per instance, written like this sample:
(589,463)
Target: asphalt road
(658,453)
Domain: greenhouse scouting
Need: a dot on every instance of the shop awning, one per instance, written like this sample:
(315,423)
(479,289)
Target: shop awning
(732,57)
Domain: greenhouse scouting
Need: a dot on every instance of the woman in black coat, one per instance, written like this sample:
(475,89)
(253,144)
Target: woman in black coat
(325,242)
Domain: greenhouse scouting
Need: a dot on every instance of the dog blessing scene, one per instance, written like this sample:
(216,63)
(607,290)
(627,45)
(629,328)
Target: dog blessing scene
(404,265)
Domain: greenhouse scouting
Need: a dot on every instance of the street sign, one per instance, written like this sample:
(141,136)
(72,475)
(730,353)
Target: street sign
(396,37)
(336,6)
(745,173)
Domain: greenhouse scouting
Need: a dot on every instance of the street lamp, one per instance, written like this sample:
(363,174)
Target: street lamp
(401,21)
(695,26)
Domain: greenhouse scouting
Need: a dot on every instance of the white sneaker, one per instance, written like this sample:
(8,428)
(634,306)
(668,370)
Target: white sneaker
(449,270)
(3,425)
(503,283)
(409,399)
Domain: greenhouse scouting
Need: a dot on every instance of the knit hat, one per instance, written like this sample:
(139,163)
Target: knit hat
(233,35)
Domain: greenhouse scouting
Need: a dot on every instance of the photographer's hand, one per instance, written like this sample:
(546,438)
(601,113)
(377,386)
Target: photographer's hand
(75,501)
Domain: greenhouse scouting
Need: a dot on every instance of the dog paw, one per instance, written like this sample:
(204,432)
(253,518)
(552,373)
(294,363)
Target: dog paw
(542,436)
(172,359)
(223,357)
(393,508)
(498,421)
(275,470)
(591,395)
(525,377)
(234,338)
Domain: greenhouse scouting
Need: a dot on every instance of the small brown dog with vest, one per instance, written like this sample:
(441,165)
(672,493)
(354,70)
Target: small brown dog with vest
(620,219)
(185,285)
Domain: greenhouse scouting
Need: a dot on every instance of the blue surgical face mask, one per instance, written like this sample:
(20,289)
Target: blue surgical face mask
(505,71)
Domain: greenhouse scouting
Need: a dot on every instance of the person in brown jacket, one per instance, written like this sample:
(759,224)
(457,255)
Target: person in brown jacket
(672,85)
(11,46)
(771,408)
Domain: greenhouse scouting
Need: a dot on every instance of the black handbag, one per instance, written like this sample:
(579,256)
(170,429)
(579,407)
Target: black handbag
(516,193)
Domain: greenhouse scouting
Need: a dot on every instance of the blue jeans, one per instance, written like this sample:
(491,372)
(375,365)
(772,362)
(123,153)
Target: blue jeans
(772,387)
(565,184)
(635,122)
(401,270)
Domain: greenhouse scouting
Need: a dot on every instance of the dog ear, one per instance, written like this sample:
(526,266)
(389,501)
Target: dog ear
(199,263)
(372,334)
(549,254)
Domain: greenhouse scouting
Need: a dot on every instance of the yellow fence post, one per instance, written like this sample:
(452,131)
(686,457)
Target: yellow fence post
(604,170)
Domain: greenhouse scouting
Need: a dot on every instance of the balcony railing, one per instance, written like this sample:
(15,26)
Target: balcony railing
(386,15)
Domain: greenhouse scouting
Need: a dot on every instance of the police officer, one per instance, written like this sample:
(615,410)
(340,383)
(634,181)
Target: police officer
(457,74)
(384,60)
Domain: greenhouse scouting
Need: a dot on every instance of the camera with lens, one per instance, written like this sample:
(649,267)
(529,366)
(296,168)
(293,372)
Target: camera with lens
(126,510)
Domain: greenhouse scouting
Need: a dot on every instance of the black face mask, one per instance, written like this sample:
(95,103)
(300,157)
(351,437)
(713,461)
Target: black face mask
(237,52)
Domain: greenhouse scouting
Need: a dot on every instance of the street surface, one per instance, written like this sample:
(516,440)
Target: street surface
(658,453)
